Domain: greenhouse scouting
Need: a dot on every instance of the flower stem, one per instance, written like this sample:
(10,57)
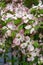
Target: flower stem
(4,58)
(12,57)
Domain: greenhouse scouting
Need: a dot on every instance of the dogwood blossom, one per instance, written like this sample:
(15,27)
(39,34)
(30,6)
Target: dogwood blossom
(16,41)
(30,47)
(11,26)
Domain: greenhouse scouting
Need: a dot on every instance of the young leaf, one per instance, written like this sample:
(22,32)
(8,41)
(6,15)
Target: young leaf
(33,11)
(41,11)
(18,21)
(13,34)
(8,20)
(36,44)
(20,27)
(2,23)
(27,32)
(29,3)
(31,21)
(35,2)
(2,4)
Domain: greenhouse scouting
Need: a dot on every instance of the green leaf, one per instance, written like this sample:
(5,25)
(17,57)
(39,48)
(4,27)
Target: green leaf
(3,31)
(35,60)
(41,27)
(10,12)
(2,23)
(23,61)
(35,2)
(27,32)
(8,20)
(2,46)
(36,37)
(13,34)
(20,27)
(2,4)
(29,3)
(41,22)
(18,21)
(36,27)
(24,25)
(31,21)
(33,11)
(41,11)
(8,43)
(36,44)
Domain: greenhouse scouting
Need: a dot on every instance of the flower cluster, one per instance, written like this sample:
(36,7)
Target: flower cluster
(24,28)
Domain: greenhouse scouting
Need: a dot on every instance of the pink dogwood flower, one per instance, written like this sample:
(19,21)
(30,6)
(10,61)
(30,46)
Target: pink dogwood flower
(11,26)
(16,41)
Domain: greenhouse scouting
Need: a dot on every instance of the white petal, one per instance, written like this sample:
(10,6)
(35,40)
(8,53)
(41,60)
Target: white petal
(30,16)
(28,27)
(8,32)
(32,30)
(26,21)
(30,47)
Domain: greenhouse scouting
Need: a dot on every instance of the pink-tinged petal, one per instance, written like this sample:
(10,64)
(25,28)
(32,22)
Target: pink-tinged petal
(16,41)
(11,26)
(28,59)
(27,39)
(22,31)
(30,47)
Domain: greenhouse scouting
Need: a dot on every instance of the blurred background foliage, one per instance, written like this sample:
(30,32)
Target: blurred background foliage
(29,3)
